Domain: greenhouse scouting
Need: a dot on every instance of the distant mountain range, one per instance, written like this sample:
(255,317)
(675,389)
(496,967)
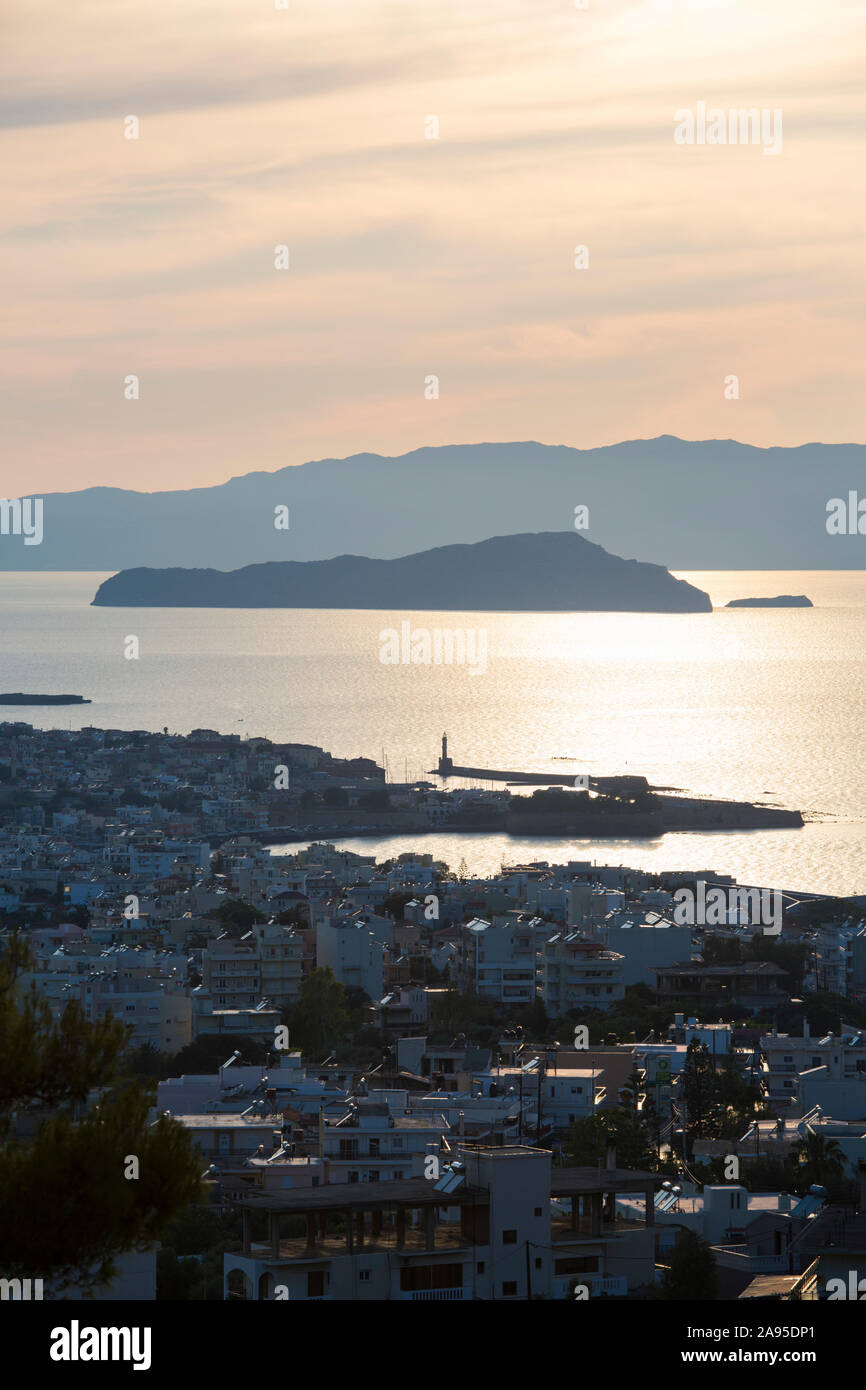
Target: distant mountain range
(714,504)
(551,572)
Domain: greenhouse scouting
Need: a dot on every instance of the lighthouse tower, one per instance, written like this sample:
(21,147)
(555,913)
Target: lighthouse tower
(445,763)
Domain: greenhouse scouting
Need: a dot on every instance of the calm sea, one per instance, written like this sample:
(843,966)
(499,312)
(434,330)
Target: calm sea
(737,703)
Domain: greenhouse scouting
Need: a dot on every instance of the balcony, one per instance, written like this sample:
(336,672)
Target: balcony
(435,1296)
(331,1245)
(738,1257)
(563,1230)
(599,1285)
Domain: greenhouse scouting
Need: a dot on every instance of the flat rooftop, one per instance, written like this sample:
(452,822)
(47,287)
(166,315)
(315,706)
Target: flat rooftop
(574,1182)
(355,1196)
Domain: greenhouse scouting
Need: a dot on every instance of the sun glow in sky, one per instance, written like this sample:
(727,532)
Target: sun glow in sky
(412,256)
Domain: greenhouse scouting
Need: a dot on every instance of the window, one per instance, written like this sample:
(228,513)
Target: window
(509,1288)
(353,1176)
(364,1276)
(398,1174)
(538,1263)
(374,1148)
(509,1237)
(577,1264)
(479,1268)
(538,1211)
(374,1175)
(315,1283)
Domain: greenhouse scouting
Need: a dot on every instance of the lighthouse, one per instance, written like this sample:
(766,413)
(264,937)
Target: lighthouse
(445,763)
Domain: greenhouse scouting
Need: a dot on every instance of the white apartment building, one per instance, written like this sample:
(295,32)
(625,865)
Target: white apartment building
(350,949)
(280,963)
(372,1144)
(784,1059)
(644,945)
(501,1225)
(231,972)
(550,1100)
(159,1010)
(578,973)
(500,962)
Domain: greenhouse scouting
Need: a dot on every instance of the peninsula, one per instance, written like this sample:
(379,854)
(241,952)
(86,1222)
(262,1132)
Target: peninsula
(553,571)
(19,699)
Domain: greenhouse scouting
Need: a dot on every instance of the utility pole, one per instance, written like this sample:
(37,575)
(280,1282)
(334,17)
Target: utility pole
(538,1116)
(520,1127)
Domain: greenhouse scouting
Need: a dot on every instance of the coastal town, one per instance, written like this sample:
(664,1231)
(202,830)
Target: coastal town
(570,1080)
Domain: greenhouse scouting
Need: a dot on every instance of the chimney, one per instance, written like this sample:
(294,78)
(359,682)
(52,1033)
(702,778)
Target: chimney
(611,1157)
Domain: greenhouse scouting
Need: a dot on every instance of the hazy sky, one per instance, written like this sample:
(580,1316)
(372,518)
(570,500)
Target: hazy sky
(410,256)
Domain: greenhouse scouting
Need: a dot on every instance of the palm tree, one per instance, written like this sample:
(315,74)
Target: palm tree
(818,1160)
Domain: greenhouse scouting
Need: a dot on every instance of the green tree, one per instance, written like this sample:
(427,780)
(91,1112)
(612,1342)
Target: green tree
(721,950)
(818,1160)
(395,903)
(587,1140)
(237,917)
(67,1208)
(698,1092)
(297,916)
(691,1275)
(190,1258)
(211,1050)
(147,1061)
(634,1085)
(377,800)
(788,955)
(320,1019)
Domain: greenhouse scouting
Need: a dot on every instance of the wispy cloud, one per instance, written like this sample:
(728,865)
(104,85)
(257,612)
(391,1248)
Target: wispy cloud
(411,256)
